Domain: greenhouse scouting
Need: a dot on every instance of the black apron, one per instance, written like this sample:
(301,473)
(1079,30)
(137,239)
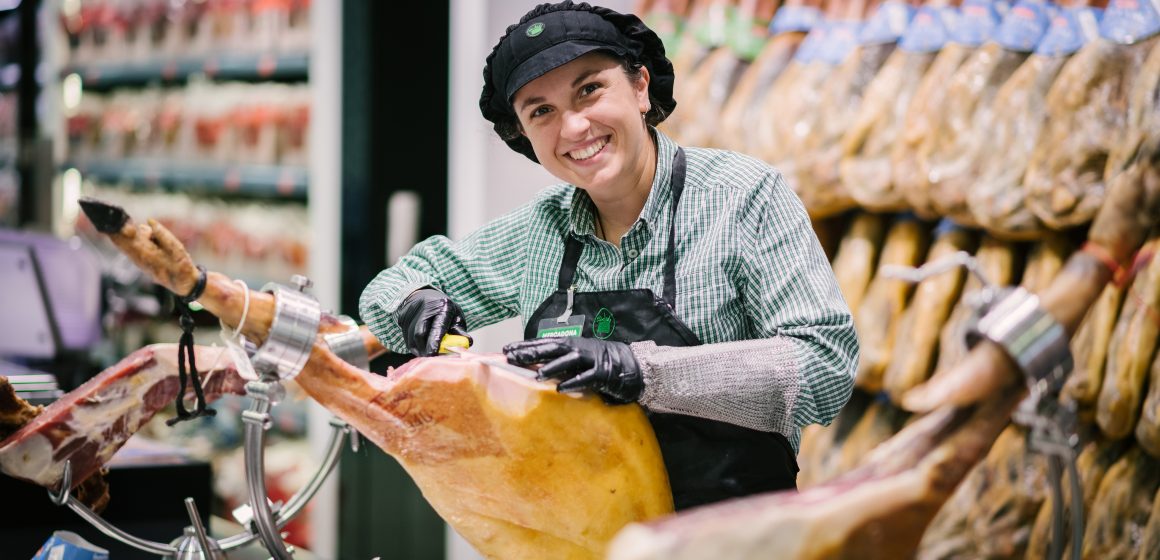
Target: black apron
(707,460)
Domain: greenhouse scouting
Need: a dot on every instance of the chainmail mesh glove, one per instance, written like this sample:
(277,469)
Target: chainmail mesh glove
(609,368)
(425,317)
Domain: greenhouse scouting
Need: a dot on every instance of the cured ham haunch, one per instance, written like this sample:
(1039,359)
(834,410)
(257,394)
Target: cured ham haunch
(89,424)
(1086,117)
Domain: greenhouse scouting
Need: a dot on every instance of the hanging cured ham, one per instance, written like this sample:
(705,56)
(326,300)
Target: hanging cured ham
(976,24)
(788,29)
(867,141)
(959,131)
(997,196)
(796,94)
(929,309)
(708,88)
(1087,116)
(817,153)
(880,313)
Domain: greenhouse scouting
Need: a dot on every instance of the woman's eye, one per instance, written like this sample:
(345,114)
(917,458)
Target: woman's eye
(540,111)
(589,89)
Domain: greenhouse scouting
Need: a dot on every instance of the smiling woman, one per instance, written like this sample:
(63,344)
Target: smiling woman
(728,370)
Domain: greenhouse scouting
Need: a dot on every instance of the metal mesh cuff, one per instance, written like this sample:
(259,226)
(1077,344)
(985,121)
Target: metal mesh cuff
(750,383)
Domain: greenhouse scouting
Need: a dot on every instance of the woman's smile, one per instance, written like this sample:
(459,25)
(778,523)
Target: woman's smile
(588,152)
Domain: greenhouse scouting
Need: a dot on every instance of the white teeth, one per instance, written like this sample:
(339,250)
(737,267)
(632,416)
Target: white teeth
(588,152)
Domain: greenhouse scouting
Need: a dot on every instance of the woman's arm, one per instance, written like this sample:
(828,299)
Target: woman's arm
(481,274)
(799,367)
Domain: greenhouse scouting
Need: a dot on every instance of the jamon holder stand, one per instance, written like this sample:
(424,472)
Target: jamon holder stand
(282,356)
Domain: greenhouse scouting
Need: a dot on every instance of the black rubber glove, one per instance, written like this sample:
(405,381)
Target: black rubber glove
(609,368)
(425,316)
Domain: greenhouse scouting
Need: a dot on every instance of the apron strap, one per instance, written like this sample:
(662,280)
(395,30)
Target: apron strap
(573,247)
(678,186)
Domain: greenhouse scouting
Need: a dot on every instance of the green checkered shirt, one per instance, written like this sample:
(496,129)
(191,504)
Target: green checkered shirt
(748,267)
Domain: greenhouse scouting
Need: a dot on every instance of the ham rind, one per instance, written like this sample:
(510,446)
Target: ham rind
(89,424)
(516,468)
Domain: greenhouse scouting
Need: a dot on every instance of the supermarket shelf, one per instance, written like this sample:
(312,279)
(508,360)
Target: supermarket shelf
(258,181)
(247,67)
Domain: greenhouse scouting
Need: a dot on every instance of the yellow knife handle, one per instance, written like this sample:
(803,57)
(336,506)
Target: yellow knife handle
(453,341)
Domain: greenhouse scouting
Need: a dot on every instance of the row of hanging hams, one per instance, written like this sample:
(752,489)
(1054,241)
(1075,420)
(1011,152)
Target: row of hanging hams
(1012,118)
(910,332)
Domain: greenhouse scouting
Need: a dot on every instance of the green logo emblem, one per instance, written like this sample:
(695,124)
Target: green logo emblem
(535,29)
(603,323)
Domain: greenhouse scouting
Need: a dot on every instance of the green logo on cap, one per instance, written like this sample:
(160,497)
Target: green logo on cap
(535,29)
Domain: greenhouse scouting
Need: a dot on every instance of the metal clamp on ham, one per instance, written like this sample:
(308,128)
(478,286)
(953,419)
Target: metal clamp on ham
(296,320)
(349,346)
(1031,336)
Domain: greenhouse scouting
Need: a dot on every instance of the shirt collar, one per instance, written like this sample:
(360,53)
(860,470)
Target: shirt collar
(584,210)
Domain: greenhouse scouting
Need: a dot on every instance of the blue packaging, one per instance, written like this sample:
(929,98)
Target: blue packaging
(929,30)
(1071,28)
(830,41)
(1024,26)
(887,24)
(64,545)
(1130,21)
(977,20)
(794,18)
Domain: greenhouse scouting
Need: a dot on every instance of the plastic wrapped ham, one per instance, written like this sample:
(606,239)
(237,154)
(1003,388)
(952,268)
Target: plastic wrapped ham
(963,125)
(704,33)
(788,29)
(1087,116)
(997,198)
(707,89)
(866,144)
(796,93)
(817,153)
(977,21)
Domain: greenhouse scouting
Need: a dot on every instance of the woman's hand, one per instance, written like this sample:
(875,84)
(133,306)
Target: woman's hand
(425,317)
(609,368)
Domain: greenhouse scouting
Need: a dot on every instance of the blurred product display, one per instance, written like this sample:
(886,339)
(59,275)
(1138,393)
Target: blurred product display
(1001,125)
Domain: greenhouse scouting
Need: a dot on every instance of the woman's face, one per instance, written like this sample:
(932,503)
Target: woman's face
(584,122)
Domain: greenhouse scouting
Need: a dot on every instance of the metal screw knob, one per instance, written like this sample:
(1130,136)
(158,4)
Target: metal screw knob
(303,283)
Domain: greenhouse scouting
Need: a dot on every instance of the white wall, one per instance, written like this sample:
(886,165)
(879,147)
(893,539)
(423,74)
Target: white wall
(486,178)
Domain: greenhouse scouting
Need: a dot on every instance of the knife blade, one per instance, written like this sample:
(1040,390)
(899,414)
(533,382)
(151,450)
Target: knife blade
(458,345)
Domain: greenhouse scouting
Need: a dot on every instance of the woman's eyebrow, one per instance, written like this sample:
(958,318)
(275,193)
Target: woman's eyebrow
(585,75)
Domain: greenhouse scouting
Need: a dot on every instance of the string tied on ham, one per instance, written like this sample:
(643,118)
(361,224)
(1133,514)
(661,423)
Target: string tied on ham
(186,364)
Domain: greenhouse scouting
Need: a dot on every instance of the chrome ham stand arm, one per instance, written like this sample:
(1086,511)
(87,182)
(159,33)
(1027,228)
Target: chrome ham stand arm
(281,357)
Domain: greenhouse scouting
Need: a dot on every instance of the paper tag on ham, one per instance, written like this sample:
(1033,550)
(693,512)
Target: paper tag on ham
(1071,28)
(1131,21)
(1024,26)
(794,18)
(977,21)
(930,29)
(887,24)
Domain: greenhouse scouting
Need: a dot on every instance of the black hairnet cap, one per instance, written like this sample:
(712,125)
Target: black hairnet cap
(552,35)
